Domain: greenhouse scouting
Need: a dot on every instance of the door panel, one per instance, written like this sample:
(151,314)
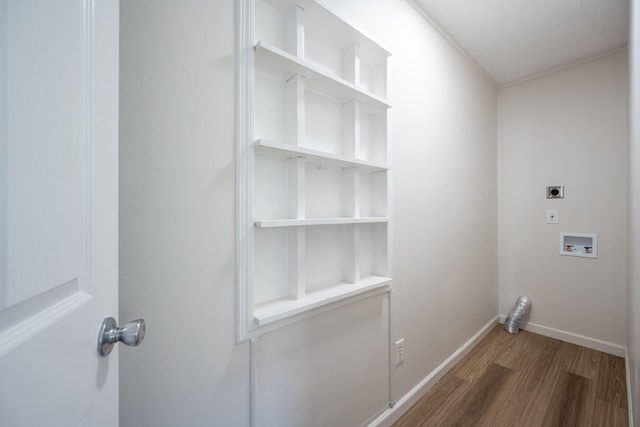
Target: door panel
(47,146)
(58,210)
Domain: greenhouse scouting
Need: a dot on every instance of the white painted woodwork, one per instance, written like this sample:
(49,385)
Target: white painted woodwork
(337,160)
(305,362)
(351,260)
(317,221)
(633,294)
(283,308)
(351,188)
(58,211)
(351,128)
(296,263)
(316,163)
(294,26)
(297,183)
(352,64)
(295,110)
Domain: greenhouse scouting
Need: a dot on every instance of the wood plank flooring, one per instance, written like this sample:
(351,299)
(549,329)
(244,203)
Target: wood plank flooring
(526,380)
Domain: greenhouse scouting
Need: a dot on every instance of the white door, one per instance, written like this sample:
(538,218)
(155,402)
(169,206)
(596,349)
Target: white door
(58,211)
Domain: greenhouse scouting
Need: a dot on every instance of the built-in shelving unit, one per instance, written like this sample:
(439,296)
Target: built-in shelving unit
(314,164)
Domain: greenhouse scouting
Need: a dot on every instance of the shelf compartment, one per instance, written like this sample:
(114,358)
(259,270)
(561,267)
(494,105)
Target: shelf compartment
(316,79)
(327,253)
(346,50)
(278,223)
(324,123)
(329,192)
(285,150)
(270,196)
(372,258)
(325,189)
(271,281)
(373,136)
(372,197)
(277,22)
(373,77)
(272,108)
(273,311)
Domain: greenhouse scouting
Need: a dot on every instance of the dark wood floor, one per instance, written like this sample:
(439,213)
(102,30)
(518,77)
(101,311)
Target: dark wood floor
(526,379)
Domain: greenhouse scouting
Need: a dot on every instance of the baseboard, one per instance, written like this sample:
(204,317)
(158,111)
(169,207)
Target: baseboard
(596,344)
(393,414)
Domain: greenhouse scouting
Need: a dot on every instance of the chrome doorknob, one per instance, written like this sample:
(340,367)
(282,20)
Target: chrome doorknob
(130,334)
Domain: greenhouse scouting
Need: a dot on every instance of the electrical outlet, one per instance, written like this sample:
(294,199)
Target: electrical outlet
(552,216)
(555,192)
(399,351)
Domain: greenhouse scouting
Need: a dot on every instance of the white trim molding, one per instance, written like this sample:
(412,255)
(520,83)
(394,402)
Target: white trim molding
(627,372)
(570,337)
(244,138)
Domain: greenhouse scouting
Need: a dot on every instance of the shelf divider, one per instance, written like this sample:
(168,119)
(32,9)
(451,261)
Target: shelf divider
(296,181)
(352,259)
(295,110)
(295,26)
(351,128)
(296,274)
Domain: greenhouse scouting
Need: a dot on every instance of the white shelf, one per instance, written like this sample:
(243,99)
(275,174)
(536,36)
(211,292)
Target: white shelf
(287,150)
(273,311)
(273,223)
(315,78)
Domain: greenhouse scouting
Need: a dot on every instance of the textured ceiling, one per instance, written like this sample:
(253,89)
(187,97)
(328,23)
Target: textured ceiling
(516,39)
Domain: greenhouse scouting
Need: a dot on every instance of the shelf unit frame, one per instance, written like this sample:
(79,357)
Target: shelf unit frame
(254,319)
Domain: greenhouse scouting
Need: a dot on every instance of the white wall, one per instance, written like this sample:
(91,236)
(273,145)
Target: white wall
(633,333)
(569,128)
(177,216)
